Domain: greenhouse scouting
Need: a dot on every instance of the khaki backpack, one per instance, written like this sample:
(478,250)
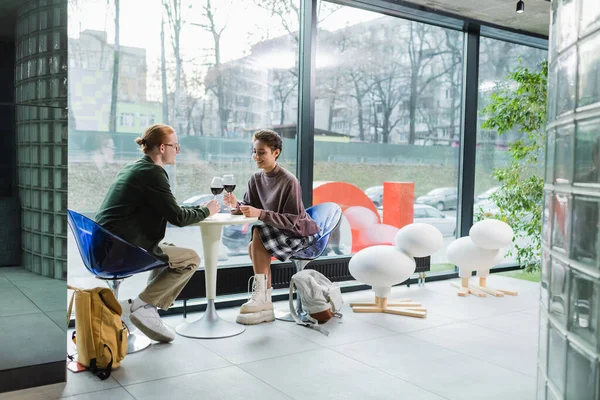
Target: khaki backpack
(100,335)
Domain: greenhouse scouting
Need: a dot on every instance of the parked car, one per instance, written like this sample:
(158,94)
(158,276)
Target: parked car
(429,215)
(375,193)
(441,198)
(486,195)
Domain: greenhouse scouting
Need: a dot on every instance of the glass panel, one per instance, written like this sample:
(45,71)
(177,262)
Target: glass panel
(541,387)
(585,230)
(547,218)
(557,359)
(496,60)
(546,266)
(382,115)
(566,82)
(562,222)
(584,308)
(581,374)
(589,70)
(559,291)
(589,19)
(587,149)
(230,85)
(567,23)
(550,151)
(543,343)
(563,159)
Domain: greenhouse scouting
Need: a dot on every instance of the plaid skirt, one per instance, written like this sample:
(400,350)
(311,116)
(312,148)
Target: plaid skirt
(280,245)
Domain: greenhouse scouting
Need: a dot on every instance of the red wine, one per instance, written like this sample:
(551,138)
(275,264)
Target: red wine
(229,188)
(216,191)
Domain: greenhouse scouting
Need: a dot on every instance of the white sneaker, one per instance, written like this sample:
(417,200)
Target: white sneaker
(260,299)
(255,317)
(147,320)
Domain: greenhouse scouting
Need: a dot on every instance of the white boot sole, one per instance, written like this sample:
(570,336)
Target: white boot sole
(251,310)
(256,317)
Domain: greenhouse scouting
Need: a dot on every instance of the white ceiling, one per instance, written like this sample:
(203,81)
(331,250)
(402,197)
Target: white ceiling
(535,19)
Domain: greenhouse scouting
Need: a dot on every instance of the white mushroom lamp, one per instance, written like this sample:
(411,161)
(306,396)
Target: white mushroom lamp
(479,252)
(385,266)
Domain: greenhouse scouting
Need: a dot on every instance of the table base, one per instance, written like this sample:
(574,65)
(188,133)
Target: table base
(209,326)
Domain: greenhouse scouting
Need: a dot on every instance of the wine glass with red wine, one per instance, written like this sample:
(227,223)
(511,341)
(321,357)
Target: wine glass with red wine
(228,184)
(216,186)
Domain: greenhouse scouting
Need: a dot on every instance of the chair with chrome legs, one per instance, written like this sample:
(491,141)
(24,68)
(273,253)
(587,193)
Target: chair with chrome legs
(328,217)
(112,259)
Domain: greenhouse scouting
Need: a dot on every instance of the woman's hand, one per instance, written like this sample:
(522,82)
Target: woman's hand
(250,211)
(230,200)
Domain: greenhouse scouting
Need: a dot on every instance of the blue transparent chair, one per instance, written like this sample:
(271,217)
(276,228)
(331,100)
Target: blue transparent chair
(328,217)
(112,259)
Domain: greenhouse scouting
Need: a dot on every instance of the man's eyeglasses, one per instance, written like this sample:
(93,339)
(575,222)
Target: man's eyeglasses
(176,146)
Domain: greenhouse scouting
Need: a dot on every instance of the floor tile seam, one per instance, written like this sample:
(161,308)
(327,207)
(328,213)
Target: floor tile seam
(475,357)
(430,327)
(31,300)
(261,380)
(277,356)
(509,333)
(170,376)
(362,340)
(496,330)
(387,373)
(27,313)
(464,322)
(87,392)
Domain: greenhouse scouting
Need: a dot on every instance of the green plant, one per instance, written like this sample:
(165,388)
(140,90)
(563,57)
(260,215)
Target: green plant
(521,104)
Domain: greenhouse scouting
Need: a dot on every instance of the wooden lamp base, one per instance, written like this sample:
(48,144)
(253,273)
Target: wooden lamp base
(402,307)
(481,290)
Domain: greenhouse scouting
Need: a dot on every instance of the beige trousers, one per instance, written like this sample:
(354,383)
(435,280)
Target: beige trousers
(165,284)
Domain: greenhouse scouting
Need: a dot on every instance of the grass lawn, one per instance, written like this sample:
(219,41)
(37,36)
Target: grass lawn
(521,274)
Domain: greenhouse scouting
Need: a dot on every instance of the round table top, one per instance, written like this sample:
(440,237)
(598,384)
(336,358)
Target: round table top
(226,219)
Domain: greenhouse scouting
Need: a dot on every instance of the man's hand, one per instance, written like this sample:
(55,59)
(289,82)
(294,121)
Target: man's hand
(213,207)
(250,211)
(230,200)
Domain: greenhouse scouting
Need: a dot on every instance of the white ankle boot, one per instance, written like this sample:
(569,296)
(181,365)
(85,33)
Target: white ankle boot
(260,299)
(260,307)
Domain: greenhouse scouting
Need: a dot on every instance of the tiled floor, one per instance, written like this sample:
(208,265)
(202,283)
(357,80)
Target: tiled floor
(466,348)
(31,307)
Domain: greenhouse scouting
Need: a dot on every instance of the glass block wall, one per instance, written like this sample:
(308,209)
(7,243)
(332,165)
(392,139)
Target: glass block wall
(569,319)
(41,117)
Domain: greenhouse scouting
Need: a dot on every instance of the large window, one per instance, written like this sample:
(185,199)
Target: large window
(216,71)
(496,59)
(388,101)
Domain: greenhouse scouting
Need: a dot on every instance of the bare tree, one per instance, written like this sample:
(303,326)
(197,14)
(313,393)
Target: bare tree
(284,84)
(163,74)
(112,124)
(174,18)
(422,55)
(215,79)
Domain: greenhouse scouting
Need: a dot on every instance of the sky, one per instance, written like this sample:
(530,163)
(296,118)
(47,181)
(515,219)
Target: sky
(246,23)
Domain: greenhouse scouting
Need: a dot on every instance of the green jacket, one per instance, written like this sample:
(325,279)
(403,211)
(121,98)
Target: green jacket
(139,203)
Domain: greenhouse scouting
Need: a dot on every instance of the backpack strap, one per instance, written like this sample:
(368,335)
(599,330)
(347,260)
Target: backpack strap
(102,373)
(313,323)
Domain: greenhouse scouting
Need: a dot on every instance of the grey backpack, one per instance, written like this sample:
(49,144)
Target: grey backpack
(320,299)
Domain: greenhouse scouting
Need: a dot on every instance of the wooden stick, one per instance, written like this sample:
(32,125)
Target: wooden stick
(407,304)
(488,290)
(476,291)
(364,304)
(408,313)
(368,310)
(411,308)
(509,292)
(483,282)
